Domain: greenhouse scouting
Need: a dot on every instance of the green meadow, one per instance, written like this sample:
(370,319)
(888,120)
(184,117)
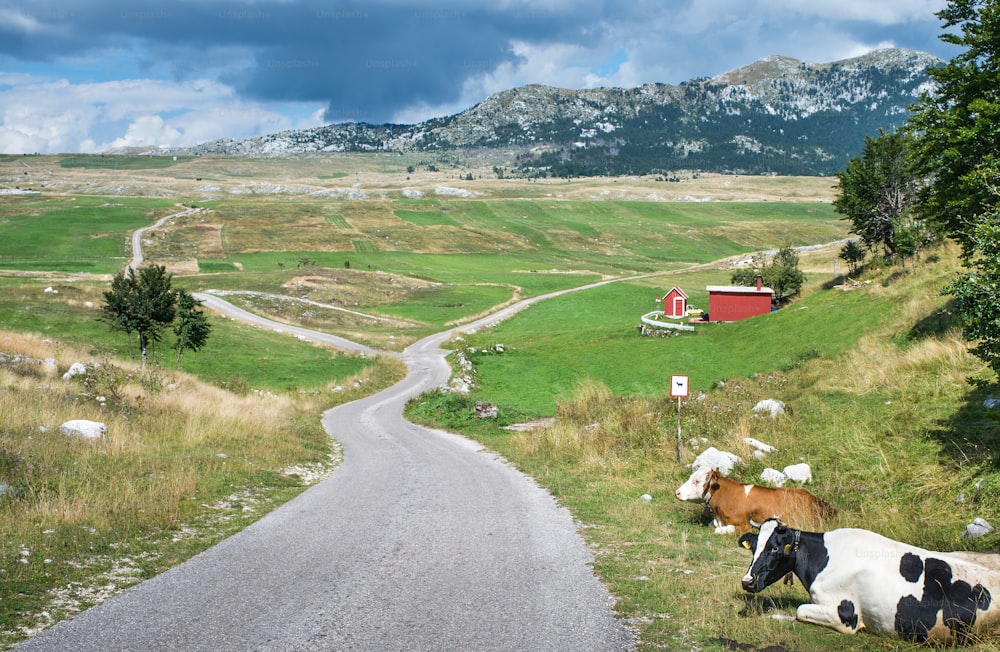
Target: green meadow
(883,399)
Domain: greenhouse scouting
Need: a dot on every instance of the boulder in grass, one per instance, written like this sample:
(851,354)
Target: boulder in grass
(84,429)
(713,458)
(977,528)
(76,369)
(774,477)
(799,472)
(772,407)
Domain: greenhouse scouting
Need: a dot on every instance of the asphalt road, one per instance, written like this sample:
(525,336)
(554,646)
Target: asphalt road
(420,540)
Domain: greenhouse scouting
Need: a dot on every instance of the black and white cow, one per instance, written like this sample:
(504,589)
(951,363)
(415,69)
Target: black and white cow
(857,578)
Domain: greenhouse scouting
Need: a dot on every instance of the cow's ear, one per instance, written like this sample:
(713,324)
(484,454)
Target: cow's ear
(788,548)
(749,541)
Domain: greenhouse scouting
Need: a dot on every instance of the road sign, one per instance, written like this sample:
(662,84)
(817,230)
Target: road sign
(679,386)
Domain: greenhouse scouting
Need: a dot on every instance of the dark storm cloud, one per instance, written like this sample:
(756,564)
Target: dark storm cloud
(87,75)
(362,59)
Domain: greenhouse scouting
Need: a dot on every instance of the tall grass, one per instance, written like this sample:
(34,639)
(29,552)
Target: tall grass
(892,426)
(178,452)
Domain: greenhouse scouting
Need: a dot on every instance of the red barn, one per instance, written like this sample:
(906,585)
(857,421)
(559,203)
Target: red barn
(735,302)
(674,303)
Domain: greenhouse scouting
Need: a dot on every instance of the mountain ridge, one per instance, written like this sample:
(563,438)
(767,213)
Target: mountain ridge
(777,115)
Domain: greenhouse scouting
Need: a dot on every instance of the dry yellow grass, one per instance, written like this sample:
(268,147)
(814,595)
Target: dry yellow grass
(182,465)
(345,175)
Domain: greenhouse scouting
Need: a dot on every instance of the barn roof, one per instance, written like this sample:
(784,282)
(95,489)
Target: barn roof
(738,289)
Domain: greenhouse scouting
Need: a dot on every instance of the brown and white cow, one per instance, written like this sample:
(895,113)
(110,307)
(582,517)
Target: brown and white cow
(737,505)
(859,579)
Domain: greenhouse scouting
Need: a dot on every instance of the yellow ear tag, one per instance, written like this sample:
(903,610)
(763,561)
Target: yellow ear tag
(788,548)
(746,544)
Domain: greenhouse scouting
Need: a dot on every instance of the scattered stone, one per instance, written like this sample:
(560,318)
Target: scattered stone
(51,290)
(76,369)
(759,445)
(977,528)
(84,429)
(770,406)
(991,403)
(486,410)
(712,457)
(773,476)
(798,472)
(647,497)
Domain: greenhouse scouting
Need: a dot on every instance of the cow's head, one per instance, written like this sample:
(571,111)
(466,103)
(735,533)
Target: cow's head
(774,548)
(694,489)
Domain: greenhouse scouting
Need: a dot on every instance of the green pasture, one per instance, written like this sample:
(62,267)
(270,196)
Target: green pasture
(235,353)
(601,236)
(563,341)
(78,234)
(122,161)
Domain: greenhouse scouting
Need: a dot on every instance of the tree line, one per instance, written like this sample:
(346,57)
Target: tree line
(939,175)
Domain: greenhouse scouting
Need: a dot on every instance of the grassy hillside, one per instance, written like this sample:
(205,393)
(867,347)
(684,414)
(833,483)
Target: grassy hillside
(882,398)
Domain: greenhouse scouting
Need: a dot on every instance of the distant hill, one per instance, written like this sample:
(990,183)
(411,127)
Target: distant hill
(777,115)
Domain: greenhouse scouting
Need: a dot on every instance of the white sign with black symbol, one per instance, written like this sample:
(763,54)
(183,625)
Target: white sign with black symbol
(679,386)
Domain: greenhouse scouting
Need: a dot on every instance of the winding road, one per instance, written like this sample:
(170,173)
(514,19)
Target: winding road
(420,540)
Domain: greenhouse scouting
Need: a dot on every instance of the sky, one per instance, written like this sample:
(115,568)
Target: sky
(93,75)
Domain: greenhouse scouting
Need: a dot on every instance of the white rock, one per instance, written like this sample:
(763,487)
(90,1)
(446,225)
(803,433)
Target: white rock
(773,476)
(991,403)
(770,406)
(51,290)
(977,528)
(76,369)
(798,472)
(712,457)
(647,497)
(84,429)
(759,445)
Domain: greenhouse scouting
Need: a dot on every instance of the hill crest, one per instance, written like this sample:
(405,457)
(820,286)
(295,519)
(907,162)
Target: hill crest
(776,115)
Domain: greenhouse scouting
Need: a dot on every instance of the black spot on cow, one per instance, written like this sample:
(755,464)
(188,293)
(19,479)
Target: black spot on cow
(847,614)
(957,600)
(911,567)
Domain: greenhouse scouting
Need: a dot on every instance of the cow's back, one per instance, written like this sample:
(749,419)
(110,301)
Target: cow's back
(905,590)
(794,506)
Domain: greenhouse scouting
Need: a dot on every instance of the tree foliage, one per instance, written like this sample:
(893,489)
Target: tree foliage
(958,147)
(853,254)
(877,191)
(190,325)
(142,303)
(957,125)
(781,273)
(977,292)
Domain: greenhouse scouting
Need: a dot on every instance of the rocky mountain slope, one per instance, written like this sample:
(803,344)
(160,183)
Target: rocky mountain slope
(777,115)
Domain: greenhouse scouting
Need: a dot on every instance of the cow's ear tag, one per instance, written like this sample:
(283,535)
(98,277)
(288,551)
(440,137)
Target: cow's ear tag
(788,548)
(746,544)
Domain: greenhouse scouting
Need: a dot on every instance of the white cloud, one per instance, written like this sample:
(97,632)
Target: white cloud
(883,12)
(52,115)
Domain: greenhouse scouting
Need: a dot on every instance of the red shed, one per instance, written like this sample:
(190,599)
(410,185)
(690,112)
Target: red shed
(735,302)
(674,303)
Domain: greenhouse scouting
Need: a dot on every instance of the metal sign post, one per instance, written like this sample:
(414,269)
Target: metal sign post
(679,388)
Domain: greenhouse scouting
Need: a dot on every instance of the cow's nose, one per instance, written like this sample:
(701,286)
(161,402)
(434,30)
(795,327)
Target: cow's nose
(748,583)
